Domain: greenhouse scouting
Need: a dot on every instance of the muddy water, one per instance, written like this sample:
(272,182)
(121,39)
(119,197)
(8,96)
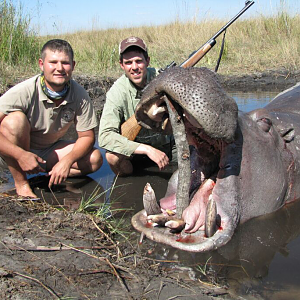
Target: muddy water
(261,262)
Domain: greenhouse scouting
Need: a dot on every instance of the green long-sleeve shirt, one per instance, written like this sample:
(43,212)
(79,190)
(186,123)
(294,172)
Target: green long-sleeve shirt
(120,104)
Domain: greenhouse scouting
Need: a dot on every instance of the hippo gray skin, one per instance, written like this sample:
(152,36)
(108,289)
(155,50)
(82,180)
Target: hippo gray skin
(247,162)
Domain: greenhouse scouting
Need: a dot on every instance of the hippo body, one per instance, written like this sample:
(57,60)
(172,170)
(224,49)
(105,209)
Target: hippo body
(247,162)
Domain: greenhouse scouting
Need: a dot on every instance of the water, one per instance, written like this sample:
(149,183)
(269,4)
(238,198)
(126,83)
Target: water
(252,100)
(261,262)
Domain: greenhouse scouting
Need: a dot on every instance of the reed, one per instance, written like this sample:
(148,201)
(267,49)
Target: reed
(252,45)
(19,47)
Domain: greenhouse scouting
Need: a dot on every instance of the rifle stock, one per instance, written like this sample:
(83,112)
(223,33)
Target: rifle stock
(197,55)
(130,128)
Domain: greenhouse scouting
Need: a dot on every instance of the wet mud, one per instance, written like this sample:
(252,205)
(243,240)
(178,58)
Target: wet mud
(54,250)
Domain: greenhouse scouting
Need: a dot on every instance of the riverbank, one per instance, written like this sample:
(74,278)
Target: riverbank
(269,80)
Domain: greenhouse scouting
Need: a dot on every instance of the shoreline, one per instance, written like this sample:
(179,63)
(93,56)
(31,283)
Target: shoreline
(269,80)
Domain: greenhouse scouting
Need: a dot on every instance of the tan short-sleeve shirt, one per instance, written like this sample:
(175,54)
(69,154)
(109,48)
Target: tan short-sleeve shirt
(48,122)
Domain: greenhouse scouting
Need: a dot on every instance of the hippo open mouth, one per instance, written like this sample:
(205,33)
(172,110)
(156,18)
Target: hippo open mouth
(209,117)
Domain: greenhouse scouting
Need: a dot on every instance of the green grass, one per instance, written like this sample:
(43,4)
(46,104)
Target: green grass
(252,45)
(101,205)
(19,48)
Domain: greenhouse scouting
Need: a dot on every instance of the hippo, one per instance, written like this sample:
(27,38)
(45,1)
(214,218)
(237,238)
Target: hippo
(247,163)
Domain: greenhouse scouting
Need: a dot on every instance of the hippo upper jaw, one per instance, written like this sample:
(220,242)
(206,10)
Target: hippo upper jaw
(199,94)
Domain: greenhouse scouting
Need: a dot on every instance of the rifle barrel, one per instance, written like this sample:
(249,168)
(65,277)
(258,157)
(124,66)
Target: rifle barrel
(247,5)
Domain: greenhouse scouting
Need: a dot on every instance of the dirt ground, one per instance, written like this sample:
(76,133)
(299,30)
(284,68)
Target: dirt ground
(47,253)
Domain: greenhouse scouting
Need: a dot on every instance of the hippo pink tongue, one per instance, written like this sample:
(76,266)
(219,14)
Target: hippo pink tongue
(200,198)
(168,202)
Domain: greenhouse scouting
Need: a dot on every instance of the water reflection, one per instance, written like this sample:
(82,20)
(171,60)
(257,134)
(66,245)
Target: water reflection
(252,100)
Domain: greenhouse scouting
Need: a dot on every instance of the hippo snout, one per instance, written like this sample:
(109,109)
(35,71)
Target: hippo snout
(198,92)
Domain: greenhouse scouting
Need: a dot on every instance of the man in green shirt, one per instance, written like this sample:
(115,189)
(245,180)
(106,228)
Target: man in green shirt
(37,113)
(121,101)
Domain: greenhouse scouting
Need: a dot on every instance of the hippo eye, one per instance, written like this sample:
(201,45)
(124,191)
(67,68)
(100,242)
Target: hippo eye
(265,124)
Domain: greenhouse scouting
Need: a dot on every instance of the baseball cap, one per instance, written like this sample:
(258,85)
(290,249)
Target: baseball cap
(132,41)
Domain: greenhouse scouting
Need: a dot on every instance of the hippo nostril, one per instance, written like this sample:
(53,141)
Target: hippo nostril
(226,167)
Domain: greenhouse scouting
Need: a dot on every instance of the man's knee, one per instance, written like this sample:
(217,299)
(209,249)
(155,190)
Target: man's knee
(112,158)
(120,164)
(96,160)
(16,124)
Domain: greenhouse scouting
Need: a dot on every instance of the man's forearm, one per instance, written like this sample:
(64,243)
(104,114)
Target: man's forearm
(115,142)
(82,146)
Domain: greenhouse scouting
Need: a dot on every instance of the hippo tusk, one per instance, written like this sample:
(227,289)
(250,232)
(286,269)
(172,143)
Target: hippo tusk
(160,219)
(211,217)
(167,220)
(149,200)
(156,112)
(165,124)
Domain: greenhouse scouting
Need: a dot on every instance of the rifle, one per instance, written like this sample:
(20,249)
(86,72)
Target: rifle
(131,128)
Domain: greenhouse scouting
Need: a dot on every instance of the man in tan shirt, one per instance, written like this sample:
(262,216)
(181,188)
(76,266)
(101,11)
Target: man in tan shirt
(36,114)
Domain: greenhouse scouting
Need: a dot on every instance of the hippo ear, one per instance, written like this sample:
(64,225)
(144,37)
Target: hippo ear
(264,123)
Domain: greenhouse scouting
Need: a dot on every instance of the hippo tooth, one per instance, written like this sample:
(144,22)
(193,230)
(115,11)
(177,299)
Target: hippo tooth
(158,110)
(177,224)
(155,112)
(211,217)
(149,200)
(170,212)
(168,221)
(159,219)
(164,124)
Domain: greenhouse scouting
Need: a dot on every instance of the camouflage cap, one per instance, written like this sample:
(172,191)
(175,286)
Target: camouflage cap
(132,41)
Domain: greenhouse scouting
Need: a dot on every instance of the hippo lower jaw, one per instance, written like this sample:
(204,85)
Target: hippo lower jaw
(212,163)
(211,170)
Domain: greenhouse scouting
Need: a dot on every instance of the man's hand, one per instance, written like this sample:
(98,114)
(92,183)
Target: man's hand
(29,163)
(59,172)
(159,157)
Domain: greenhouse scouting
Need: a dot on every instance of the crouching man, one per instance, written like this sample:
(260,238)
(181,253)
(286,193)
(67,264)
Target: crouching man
(37,113)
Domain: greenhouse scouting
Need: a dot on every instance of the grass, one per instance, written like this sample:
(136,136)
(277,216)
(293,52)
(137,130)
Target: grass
(19,47)
(252,45)
(100,204)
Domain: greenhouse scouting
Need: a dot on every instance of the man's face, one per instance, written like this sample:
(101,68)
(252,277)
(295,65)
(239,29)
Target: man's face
(57,67)
(135,66)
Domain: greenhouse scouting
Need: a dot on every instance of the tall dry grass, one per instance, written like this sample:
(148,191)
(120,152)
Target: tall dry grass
(252,45)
